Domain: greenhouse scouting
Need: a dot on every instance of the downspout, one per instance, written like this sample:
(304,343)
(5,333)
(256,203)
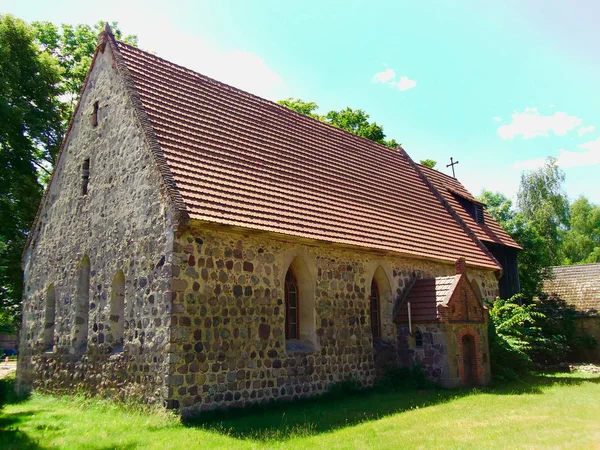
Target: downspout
(409,320)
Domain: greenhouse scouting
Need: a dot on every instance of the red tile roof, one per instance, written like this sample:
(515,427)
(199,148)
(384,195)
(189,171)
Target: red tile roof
(577,285)
(425,296)
(449,187)
(240,160)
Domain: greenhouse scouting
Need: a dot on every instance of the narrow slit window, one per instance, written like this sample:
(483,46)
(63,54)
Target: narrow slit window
(95,115)
(85,176)
(418,339)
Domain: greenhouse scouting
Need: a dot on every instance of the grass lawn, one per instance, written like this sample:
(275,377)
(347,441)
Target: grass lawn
(552,411)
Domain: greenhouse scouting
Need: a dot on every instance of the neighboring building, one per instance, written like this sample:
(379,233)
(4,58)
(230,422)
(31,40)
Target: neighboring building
(579,285)
(8,342)
(203,247)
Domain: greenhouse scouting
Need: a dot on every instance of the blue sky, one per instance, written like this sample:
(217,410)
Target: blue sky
(499,87)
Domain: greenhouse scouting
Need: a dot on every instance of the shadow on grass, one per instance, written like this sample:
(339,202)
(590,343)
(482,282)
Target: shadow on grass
(284,420)
(8,394)
(11,437)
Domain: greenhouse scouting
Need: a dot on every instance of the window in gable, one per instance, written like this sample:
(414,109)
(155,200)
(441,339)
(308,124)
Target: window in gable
(85,176)
(95,115)
(478,213)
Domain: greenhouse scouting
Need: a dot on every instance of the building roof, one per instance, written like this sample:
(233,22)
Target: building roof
(425,296)
(239,160)
(577,285)
(451,188)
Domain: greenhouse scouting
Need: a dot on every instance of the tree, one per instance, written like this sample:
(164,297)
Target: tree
(543,202)
(428,163)
(42,70)
(535,260)
(73,47)
(30,133)
(355,121)
(302,107)
(581,242)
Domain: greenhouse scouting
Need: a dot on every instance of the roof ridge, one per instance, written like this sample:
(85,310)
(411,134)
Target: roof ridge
(452,211)
(574,265)
(421,166)
(251,95)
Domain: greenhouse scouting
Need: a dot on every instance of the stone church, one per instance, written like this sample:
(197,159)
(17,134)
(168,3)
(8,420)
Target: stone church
(201,247)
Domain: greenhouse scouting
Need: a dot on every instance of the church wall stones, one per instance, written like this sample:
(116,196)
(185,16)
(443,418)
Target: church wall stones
(121,224)
(228,345)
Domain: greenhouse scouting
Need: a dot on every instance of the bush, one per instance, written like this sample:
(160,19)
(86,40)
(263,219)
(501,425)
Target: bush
(396,377)
(345,387)
(540,335)
(509,329)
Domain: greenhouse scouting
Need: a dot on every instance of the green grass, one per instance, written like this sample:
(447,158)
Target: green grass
(552,411)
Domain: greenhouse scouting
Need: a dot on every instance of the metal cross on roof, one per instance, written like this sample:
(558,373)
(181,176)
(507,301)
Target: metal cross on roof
(452,164)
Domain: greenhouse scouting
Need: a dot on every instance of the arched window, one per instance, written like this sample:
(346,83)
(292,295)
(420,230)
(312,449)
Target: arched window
(292,308)
(49,318)
(117,311)
(82,306)
(300,311)
(375,311)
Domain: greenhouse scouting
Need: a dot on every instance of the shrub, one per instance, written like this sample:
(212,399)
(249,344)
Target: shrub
(345,387)
(396,377)
(509,330)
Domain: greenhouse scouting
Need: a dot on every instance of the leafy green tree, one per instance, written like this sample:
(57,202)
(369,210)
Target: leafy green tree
(543,202)
(302,107)
(581,242)
(355,121)
(30,135)
(73,46)
(42,71)
(535,260)
(428,163)
(509,329)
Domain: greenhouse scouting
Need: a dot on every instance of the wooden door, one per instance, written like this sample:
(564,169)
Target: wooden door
(469,368)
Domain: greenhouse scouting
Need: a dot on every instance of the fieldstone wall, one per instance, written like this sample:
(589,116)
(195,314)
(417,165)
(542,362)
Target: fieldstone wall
(228,344)
(123,223)
(441,353)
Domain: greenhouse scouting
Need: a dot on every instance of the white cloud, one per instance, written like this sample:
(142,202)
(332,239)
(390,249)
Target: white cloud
(587,129)
(590,156)
(498,119)
(388,76)
(531,123)
(385,76)
(405,84)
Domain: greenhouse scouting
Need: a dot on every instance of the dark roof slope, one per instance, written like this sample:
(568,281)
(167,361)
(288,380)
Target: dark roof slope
(425,296)
(243,161)
(577,285)
(450,187)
